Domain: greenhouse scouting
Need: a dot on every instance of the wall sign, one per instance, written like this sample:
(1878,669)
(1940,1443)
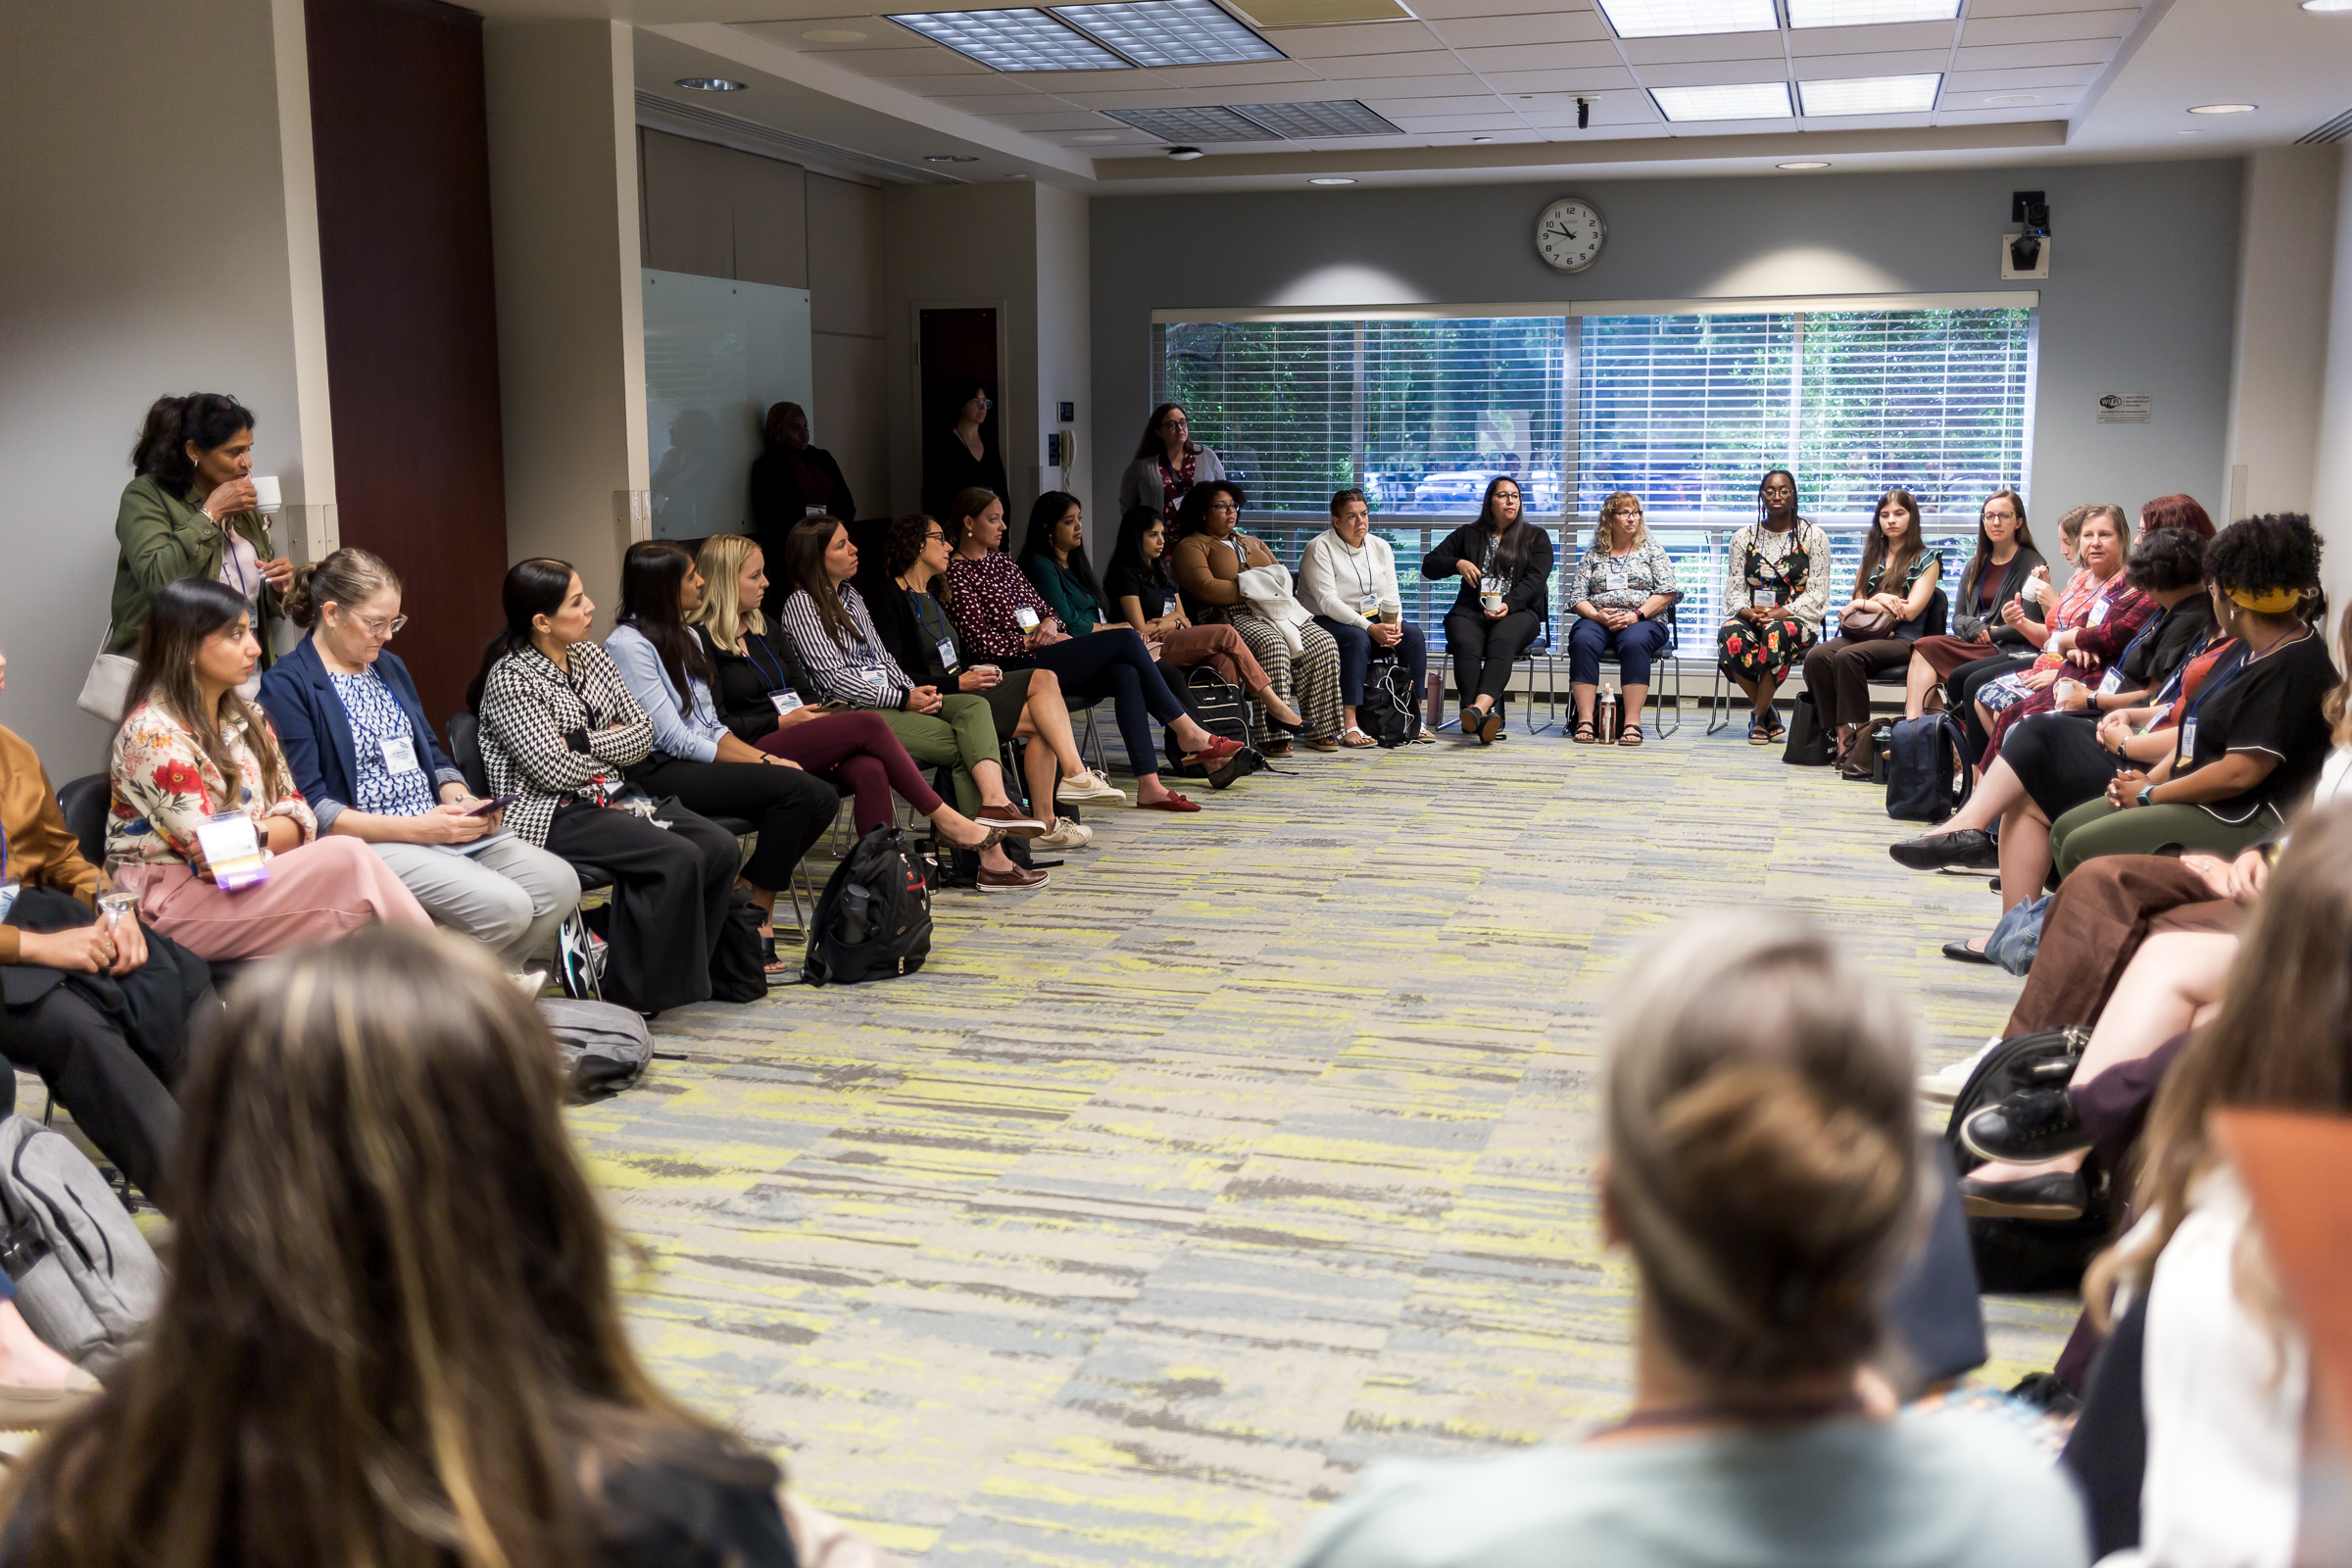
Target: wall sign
(2127,407)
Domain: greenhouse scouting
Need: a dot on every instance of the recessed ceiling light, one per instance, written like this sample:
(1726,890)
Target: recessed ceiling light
(2223,108)
(950,158)
(1343,117)
(1192,124)
(2328,7)
(1750,100)
(1331,179)
(1871,95)
(1185,155)
(1801,164)
(1868,13)
(1660,19)
(2013,99)
(1016,176)
(1170,32)
(1013,40)
(711,84)
(834,35)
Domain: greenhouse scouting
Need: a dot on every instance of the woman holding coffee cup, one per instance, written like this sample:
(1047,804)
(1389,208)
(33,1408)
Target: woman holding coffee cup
(1505,564)
(192,509)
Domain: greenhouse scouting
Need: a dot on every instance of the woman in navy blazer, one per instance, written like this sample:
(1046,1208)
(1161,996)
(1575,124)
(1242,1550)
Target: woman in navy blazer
(363,754)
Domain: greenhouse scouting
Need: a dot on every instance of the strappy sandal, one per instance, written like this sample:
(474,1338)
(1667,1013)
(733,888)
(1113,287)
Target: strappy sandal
(1359,739)
(1586,733)
(1631,736)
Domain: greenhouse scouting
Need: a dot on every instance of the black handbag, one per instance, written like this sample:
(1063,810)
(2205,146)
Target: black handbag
(1808,743)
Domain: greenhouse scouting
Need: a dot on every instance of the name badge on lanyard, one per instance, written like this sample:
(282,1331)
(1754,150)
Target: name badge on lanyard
(2188,738)
(786,702)
(947,653)
(871,674)
(400,754)
(1612,579)
(1367,602)
(2111,683)
(2098,613)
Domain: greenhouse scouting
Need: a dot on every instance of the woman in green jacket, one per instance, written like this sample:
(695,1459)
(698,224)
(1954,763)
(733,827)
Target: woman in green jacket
(191,511)
(1054,555)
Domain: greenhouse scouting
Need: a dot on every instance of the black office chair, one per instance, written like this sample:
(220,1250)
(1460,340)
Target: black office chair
(85,801)
(1670,656)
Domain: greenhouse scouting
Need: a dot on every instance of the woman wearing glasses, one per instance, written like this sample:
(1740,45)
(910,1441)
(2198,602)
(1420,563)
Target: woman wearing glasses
(1623,593)
(1168,462)
(962,456)
(360,753)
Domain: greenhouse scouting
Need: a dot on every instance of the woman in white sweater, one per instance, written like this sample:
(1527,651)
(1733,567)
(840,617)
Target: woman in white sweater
(1347,581)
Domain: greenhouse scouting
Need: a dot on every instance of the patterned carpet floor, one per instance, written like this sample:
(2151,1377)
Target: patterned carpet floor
(1252,1150)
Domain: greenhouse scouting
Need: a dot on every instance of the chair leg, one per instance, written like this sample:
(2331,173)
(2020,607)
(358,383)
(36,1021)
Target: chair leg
(1093,743)
(1719,704)
(1660,708)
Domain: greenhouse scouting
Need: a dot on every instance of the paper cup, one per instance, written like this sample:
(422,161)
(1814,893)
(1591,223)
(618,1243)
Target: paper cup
(266,494)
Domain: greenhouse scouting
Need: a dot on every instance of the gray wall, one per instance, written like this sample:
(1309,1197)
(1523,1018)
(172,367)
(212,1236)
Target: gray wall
(2140,296)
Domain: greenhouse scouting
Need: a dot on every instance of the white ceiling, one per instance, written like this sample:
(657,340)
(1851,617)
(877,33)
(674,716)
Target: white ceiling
(2100,78)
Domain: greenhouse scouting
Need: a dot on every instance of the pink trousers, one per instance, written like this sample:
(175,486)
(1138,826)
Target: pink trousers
(317,893)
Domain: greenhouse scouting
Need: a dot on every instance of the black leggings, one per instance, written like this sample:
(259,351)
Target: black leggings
(670,891)
(2058,759)
(1960,695)
(1482,651)
(1114,664)
(788,808)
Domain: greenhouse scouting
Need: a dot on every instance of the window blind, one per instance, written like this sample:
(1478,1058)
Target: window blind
(1686,412)
(1278,400)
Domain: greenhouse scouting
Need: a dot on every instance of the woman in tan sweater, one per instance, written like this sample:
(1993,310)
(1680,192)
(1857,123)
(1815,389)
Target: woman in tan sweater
(1207,560)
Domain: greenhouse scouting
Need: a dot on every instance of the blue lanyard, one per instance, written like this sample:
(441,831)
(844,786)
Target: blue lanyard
(2219,679)
(938,633)
(782,682)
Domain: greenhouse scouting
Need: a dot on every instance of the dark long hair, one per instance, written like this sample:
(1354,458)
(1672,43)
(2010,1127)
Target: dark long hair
(391,1335)
(1128,554)
(1044,518)
(804,568)
(208,419)
(1152,445)
(536,585)
(180,617)
(1982,560)
(653,586)
(1192,512)
(1796,497)
(1512,543)
(1874,549)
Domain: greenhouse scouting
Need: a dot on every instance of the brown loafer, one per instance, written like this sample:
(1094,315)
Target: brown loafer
(1008,821)
(1018,880)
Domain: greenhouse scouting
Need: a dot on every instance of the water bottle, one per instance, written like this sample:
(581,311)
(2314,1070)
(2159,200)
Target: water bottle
(1604,715)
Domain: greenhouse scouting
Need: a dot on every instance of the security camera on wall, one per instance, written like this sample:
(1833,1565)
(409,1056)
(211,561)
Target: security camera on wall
(2025,251)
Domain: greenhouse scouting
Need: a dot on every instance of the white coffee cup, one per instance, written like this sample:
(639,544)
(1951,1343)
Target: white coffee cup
(1491,602)
(267,498)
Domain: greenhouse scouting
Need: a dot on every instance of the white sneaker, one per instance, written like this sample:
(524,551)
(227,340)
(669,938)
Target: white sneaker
(1943,1086)
(1079,788)
(1066,835)
(531,982)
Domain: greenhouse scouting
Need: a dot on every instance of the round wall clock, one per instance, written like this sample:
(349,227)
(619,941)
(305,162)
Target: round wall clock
(1569,235)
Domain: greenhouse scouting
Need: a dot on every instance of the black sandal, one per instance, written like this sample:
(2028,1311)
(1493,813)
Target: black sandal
(1630,736)
(1587,733)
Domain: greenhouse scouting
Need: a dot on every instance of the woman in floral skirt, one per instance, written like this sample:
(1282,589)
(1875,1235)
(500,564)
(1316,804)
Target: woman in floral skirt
(1776,588)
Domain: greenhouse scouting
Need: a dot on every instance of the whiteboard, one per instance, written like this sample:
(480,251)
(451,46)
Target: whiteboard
(717,354)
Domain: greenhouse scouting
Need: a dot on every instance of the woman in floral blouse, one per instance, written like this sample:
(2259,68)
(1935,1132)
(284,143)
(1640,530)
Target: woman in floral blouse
(191,749)
(1776,588)
(1623,593)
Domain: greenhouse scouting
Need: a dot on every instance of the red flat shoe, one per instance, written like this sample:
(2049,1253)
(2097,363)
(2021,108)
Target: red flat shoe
(1173,802)
(1217,750)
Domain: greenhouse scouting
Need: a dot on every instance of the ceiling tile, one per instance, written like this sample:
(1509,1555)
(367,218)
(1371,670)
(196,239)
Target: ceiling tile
(1471,33)
(1371,39)
(1710,73)
(1452,122)
(1158,98)
(2004,57)
(1804,41)
(1517,82)
(2032,7)
(1703,46)
(987,84)
(880,34)
(995,104)
(1617,108)
(2007,114)
(2047,28)
(1862,121)
(2021,80)
(1449,84)
(1237,73)
(930,61)
(1398,109)
(1840,67)
(1352,68)
(1542,57)
(1064,81)
(1433,10)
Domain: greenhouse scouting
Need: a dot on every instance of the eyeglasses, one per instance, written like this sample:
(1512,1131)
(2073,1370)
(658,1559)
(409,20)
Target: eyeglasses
(1223,506)
(935,537)
(384,629)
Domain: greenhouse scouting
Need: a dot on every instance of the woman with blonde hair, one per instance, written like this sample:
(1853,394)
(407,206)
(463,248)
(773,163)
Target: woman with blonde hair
(1762,1166)
(1623,592)
(391,1334)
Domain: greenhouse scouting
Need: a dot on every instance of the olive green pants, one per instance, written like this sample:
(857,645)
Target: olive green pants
(962,734)
(2095,828)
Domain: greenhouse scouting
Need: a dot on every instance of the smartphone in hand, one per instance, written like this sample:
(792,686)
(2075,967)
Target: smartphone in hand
(485,807)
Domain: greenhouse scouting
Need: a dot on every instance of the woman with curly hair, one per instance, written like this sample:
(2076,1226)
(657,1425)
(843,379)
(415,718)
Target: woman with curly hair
(2253,739)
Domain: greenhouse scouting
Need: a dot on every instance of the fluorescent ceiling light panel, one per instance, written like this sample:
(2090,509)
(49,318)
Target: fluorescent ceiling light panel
(1192,124)
(1663,18)
(1013,40)
(1304,121)
(1868,13)
(1750,100)
(1170,32)
(1871,95)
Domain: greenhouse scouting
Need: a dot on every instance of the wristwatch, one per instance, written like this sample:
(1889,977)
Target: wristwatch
(2146,792)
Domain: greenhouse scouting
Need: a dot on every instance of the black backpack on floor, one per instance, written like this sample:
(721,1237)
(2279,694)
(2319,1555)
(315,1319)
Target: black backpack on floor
(1216,704)
(1928,777)
(1391,711)
(873,920)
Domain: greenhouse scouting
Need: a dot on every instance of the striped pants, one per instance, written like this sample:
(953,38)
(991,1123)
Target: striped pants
(1310,681)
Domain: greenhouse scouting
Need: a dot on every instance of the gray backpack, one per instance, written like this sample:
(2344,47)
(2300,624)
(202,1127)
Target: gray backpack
(86,1280)
(603,1046)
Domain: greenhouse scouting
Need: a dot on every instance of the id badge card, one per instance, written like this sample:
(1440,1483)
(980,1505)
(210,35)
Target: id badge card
(786,702)
(1612,580)
(2098,612)
(811,510)
(871,674)
(1367,604)
(400,754)
(2188,740)
(234,850)
(1765,598)
(2111,683)
(8,898)
(1026,618)
(947,653)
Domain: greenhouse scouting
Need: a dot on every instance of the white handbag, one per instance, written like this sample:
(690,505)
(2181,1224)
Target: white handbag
(106,689)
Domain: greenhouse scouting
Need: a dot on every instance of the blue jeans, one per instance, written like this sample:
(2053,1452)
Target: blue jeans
(1635,646)
(1356,656)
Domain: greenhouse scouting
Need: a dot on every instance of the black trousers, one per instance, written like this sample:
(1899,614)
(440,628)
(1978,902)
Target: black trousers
(2058,759)
(1960,695)
(109,1048)
(1483,649)
(671,889)
(790,808)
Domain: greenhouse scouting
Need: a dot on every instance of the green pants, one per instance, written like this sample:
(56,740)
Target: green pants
(2095,828)
(961,735)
